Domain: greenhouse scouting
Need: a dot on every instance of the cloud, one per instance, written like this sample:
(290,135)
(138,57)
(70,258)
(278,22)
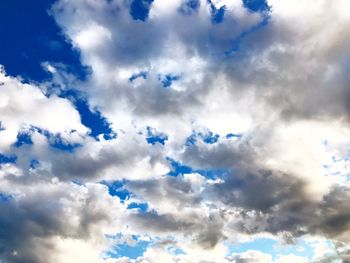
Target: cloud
(276,76)
(56,221)
(23,106)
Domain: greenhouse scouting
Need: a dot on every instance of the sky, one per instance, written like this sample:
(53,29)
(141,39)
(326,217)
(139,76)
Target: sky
(177,131)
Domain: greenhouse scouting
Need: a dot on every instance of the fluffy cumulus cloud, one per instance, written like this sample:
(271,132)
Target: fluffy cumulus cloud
(24,107)
(225,136)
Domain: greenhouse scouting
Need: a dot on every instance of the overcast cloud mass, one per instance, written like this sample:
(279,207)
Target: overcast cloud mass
(176,131)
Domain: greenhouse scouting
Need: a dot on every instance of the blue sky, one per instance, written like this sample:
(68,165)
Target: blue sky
(174,131)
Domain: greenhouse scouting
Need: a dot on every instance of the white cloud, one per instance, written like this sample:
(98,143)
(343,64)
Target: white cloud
(283,86)
(23,106)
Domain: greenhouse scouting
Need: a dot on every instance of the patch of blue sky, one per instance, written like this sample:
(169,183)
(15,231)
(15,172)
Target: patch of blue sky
(273,247)
(23,137)
(156,139)
(210,138)
(176,251)
(153,136)
(236,44)
(177,168)
(189,6)
(330,247)
(131,251)
(27,45)
(139,207)
(256,5)
(7,158)
(301,248)
(265,245)
(167,80)
(213,173)
(139,9)
(94,120)
(33,164)
(57,142)
(233,135)
(191,140)
(142,74)
(217,14)
(207,137)
(117,188)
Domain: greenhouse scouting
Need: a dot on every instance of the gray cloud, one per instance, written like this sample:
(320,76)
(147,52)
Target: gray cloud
(271,201)
(282,74)
(30,223)
(183,213)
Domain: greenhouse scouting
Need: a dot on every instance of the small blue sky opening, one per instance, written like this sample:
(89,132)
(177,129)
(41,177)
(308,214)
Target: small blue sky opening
(7,158)
(265,245)
(153,136)
(189,7)
(177,168)
(234,135)
(33,164)
(191,140)
(176,251)
(127,250)
(94,120)
(139,9)
(217,14)
(207,137)
(142,74)
(140,207)
(57,142)
(117,188)
(168,80)
(23,137)
(256,5)
(236,44)
(213,173)
(273,247)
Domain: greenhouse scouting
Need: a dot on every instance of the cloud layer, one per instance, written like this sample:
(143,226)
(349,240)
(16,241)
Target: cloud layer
(231,122)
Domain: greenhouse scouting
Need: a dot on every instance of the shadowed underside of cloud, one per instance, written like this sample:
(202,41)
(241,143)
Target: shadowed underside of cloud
(199,125)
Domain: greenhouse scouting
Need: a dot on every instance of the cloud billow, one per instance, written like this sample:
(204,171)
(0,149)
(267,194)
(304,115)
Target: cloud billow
(223,121)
